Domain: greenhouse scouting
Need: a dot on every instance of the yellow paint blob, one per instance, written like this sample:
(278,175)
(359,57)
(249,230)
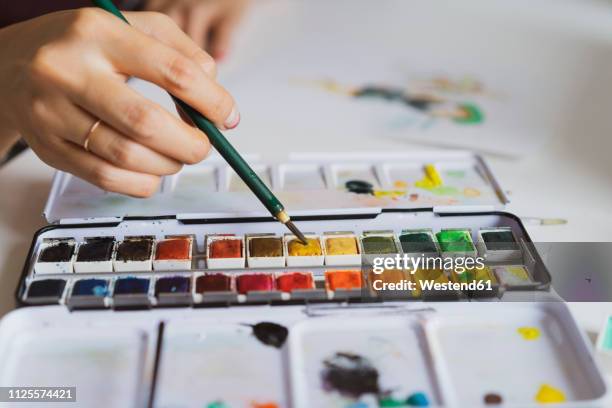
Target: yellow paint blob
(386,193)
(296,248)
(400,185)
(432,178)
(529,333)
(547,394)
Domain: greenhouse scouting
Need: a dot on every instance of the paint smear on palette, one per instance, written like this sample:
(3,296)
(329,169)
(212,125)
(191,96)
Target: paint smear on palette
(350,375)
(270,334)
(227,365)
(607,344)
(547,394)
(348,363)
(529,333)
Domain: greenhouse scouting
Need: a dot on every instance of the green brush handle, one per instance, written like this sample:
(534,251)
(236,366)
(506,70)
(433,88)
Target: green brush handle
(109,6)
(223,146)
(229,153)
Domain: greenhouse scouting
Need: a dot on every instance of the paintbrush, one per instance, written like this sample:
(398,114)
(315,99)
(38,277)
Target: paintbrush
(224,147)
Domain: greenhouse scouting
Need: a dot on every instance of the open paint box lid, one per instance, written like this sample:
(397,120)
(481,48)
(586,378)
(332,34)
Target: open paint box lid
(307,184)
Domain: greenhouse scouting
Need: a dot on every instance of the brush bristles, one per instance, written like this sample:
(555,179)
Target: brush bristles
(296,232)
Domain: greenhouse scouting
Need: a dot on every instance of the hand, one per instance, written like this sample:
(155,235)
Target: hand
(62,72)
(210,23)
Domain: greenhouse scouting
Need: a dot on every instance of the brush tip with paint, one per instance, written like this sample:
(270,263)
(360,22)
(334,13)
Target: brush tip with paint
(283,217)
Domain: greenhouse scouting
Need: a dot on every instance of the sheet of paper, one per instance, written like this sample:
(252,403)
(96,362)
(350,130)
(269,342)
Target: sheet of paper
(490,76)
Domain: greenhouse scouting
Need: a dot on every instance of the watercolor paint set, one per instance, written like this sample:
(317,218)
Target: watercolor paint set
(199,284)
(117,252)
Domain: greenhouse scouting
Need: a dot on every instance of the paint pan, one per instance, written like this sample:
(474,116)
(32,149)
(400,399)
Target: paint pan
(456,243)
(341,249)
(525,340)
(95,255)
(419,242)
(89,294)
(134,254)
(254,282)
(499,245)
(299,254)
(301,286)
(104,365)
(429,284)
(46,291)
(514,277)
(295,177)
(55,257)
(378,244)
(131,292)
(173,254)
(173,291)
(391,284)
(482,276)
(339,281)
(219,365)
(213,288)
(357,361)
(292,281)
(225,251)
(265,251)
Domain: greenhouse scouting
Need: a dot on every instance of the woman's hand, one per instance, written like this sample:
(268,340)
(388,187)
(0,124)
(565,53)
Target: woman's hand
(61,73)
(210,23)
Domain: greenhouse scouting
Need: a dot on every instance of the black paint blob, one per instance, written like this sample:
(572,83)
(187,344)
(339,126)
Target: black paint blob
(350,374)
(270,334)
(359,187)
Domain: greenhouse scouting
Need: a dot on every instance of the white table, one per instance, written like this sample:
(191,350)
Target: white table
(570,178)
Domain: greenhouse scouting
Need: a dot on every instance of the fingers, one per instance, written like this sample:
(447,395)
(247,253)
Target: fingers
(166,29)
(75,125)
(73,159)
(123,152)
(146,58)
(143,121)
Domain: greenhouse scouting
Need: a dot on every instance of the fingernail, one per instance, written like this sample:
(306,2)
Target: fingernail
(220,56)
(232,120)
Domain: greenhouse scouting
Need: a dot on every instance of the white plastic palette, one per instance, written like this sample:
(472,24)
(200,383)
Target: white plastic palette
(307,184)
(213,357)
(193,358)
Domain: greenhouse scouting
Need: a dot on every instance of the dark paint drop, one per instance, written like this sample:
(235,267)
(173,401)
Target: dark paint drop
(493,399)
(359,187)
(270,334)
(350,374)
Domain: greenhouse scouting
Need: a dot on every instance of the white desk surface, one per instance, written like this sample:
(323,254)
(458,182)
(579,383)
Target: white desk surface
(570,178)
